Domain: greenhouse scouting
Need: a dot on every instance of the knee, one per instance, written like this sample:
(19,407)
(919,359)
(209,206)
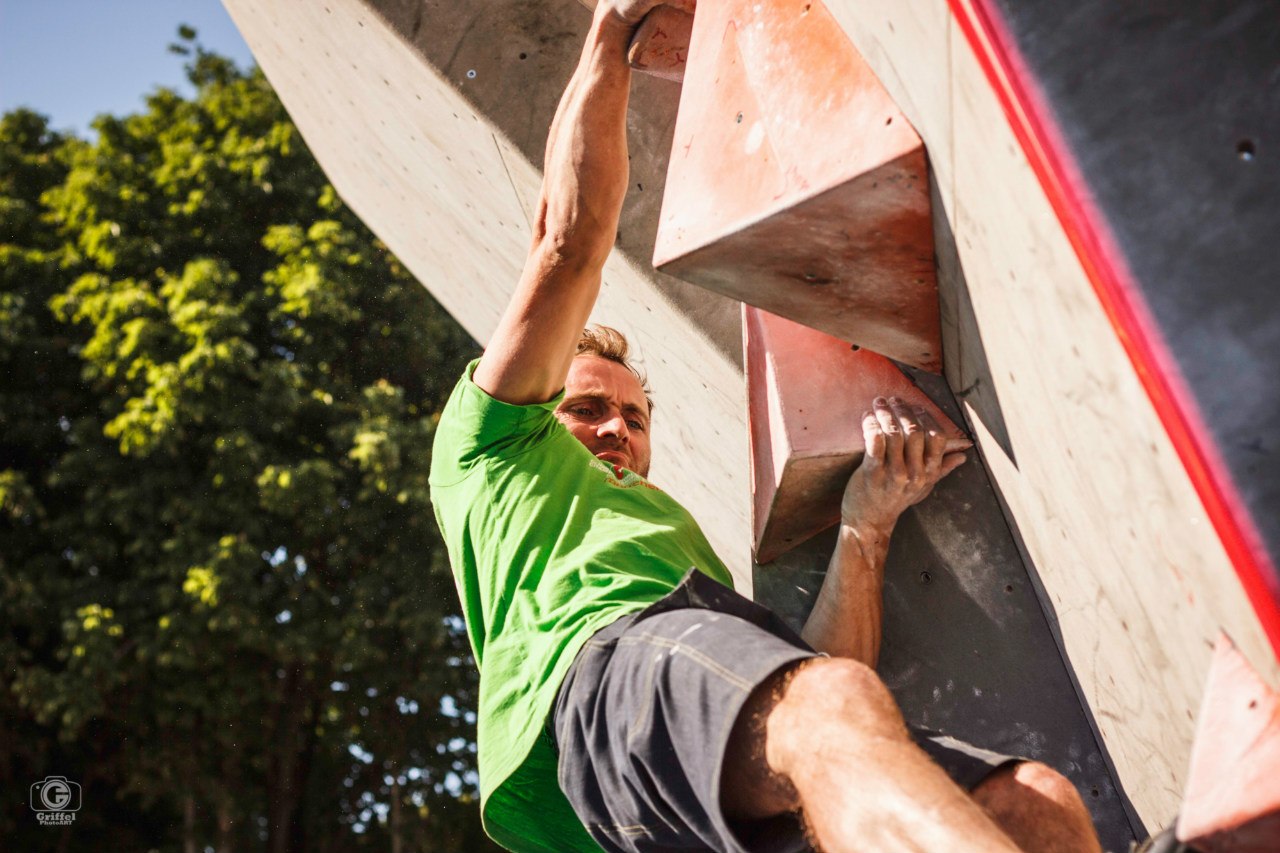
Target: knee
(1039,809)
(1028,786)
(842,692)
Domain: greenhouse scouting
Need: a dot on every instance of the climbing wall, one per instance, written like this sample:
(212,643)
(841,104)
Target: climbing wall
(1060,594)
(967,649)
(428,118)
(1099,476)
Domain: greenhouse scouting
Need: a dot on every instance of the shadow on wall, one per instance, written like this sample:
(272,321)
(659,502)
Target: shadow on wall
(964,356)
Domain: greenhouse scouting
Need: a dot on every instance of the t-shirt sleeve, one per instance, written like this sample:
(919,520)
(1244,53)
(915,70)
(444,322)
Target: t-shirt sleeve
(475,427)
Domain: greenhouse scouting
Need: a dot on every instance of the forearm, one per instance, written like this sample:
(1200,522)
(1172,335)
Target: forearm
(585,171)
(906,455)
(849,611)
(584,181)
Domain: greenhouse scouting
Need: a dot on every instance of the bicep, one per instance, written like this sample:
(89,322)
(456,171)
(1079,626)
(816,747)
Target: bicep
(531,349)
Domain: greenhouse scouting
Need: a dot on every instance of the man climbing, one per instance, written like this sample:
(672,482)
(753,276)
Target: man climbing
(627,702)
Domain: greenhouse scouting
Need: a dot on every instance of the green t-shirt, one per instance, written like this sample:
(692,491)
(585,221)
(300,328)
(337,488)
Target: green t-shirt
(548,545)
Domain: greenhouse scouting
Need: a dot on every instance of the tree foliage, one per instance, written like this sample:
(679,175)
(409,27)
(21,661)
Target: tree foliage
(227,611)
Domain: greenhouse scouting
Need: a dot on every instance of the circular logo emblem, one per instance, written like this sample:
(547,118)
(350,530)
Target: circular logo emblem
(56,794)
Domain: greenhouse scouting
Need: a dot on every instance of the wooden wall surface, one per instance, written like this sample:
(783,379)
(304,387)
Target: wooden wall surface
(438,163)
(1129,564)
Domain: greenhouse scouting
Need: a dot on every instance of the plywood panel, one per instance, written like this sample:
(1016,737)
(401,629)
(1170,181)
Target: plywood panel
(907,45)
(452,198)
(1157,111)
(1136,576)
(1131,570)
(1132,575)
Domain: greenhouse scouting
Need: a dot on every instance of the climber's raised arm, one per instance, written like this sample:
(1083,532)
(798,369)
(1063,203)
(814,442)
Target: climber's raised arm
(585,179)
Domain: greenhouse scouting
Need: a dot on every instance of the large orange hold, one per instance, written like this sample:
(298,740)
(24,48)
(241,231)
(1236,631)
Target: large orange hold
(1232,803)
(796,185)
(806,394)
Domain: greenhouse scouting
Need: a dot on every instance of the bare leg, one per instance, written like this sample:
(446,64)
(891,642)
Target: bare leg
(1039,809)
(835,746)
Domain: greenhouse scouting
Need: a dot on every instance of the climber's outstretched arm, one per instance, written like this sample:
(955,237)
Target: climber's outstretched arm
(585,179)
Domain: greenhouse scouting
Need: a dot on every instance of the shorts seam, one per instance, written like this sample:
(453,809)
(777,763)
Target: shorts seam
(647,708)
(693,654)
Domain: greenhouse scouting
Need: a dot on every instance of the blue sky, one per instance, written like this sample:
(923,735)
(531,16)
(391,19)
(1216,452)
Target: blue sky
(74,59)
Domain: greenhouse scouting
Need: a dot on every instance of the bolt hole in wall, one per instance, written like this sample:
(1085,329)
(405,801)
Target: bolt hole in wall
(1246,150)
(925,577)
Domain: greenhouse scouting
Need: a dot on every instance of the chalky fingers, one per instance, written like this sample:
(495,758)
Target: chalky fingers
(913,437)
(935,443)
(893,438)
(873,436)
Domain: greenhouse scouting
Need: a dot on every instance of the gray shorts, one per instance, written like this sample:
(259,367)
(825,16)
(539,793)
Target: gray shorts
(643,718)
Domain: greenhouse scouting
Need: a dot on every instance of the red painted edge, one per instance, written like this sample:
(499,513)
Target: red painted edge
(1050,158)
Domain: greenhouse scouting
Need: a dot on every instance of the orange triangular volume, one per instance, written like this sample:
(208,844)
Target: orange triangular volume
(806,393)
(1232,803)
(796,185)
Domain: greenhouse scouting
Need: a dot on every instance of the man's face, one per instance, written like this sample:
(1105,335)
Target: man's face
(605,409)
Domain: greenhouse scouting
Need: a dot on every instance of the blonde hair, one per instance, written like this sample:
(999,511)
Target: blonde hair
(608,343)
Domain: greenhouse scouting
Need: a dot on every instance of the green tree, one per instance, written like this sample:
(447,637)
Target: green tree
(228,612)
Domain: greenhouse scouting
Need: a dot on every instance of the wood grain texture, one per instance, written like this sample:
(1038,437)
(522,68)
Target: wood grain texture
(1131,570)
